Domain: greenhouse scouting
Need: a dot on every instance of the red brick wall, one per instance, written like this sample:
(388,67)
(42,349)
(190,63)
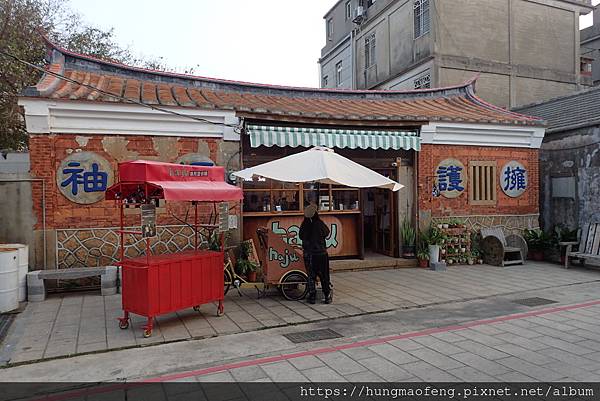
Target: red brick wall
(431,155)
(47,152)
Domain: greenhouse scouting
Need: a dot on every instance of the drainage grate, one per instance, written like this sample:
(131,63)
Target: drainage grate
(535,301)
(5,322)
(312,335)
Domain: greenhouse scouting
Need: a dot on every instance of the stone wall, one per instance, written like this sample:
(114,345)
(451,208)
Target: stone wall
(509,223)
(570,178)
(100,246)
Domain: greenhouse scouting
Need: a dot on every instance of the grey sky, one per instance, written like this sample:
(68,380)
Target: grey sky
(264,41)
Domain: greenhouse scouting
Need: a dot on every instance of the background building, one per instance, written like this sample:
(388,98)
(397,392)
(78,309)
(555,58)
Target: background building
(569,162)
(525,50)
(590,49)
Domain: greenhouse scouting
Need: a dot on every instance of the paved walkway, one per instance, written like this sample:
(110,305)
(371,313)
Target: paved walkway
(493,339)
(76,324)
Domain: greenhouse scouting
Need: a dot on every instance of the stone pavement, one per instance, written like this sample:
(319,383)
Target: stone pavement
(489,339)
(75,324)
(556,346)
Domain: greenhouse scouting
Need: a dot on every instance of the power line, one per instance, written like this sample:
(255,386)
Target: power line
(128,100)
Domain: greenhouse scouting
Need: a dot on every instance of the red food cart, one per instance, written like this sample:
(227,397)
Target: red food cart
(157,284)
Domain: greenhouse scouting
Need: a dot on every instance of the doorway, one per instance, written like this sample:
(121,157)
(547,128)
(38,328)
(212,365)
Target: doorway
(380,220)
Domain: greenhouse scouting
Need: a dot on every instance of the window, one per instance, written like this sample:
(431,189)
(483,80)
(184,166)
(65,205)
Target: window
(338,74)
(482,183)
(348,10)
(423,82)
(329,28)
(370,45)
(421,10)
(325,81)
(586,66)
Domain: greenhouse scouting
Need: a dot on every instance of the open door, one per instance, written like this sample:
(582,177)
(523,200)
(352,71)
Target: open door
(380,218)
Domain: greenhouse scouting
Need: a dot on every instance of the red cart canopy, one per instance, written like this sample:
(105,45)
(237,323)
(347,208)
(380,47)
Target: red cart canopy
(173,182)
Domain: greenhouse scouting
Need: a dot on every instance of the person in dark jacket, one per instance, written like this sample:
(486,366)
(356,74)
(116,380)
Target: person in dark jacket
(313,233)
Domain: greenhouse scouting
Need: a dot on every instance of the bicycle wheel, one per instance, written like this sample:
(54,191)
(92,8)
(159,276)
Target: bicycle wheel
(227,280)
(294,286)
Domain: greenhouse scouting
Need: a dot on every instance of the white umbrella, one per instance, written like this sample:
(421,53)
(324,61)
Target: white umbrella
(320,164)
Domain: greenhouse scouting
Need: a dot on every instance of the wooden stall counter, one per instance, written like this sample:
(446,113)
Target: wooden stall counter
(344,227)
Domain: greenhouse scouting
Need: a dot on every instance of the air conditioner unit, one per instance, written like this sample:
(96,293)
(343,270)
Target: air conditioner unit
(359,15)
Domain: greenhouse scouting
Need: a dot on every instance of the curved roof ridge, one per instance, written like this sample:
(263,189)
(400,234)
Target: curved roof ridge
(387,93)
(473,96)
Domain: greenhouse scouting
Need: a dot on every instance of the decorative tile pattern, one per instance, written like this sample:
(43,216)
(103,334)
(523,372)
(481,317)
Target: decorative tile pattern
(511,224)
(100,246)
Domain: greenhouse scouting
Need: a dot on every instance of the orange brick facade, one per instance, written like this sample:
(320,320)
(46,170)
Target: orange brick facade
(431,155)
(47,152)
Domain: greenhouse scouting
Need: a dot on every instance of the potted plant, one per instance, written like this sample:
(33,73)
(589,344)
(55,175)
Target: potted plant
(247,268)
(423,258)
(408,240)
(537,242)
(470,259)
(432,238)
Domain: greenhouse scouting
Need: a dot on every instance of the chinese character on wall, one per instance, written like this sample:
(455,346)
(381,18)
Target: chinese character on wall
(89,181)
(513,179)
(450,178)
(83,177)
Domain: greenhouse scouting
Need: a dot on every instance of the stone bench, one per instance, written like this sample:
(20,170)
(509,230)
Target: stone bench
(36,290)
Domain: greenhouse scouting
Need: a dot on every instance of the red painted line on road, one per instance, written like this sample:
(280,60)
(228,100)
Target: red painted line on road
(366,343)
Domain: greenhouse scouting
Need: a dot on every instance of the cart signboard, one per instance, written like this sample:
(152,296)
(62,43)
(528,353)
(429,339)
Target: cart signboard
(148,221)
(223,216)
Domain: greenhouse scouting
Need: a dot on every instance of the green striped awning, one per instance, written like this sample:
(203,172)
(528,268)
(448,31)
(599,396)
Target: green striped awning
(262,135)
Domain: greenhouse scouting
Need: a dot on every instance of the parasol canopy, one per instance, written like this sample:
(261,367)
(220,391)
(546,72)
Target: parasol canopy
(173,182)
(320,164)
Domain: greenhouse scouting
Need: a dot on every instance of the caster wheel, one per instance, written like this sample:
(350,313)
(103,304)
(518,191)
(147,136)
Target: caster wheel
(123,324)
(147,333)
(220,310)
(197,308)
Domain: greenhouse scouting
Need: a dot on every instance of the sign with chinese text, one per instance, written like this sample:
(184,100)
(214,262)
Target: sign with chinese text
(450,178)
(83,177)
(513,179)
(148,221)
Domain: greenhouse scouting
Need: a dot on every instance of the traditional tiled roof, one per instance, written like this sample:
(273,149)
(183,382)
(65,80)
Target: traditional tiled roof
(457,103)
(580,109)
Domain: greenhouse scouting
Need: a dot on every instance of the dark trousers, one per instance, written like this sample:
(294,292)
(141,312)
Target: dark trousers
(317,266)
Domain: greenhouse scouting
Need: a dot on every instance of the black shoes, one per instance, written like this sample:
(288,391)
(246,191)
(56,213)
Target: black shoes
(328,299)
(311,299)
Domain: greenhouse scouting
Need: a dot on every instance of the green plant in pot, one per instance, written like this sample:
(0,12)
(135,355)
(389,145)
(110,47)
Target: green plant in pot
(408,239)
(247,268)
(537,242)
(423,258)
(433,238)
(244,266)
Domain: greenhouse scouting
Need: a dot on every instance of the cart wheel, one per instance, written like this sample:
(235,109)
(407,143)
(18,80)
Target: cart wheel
(294,286)
(197,308)
(227,280)
(123,324)
(147,333)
